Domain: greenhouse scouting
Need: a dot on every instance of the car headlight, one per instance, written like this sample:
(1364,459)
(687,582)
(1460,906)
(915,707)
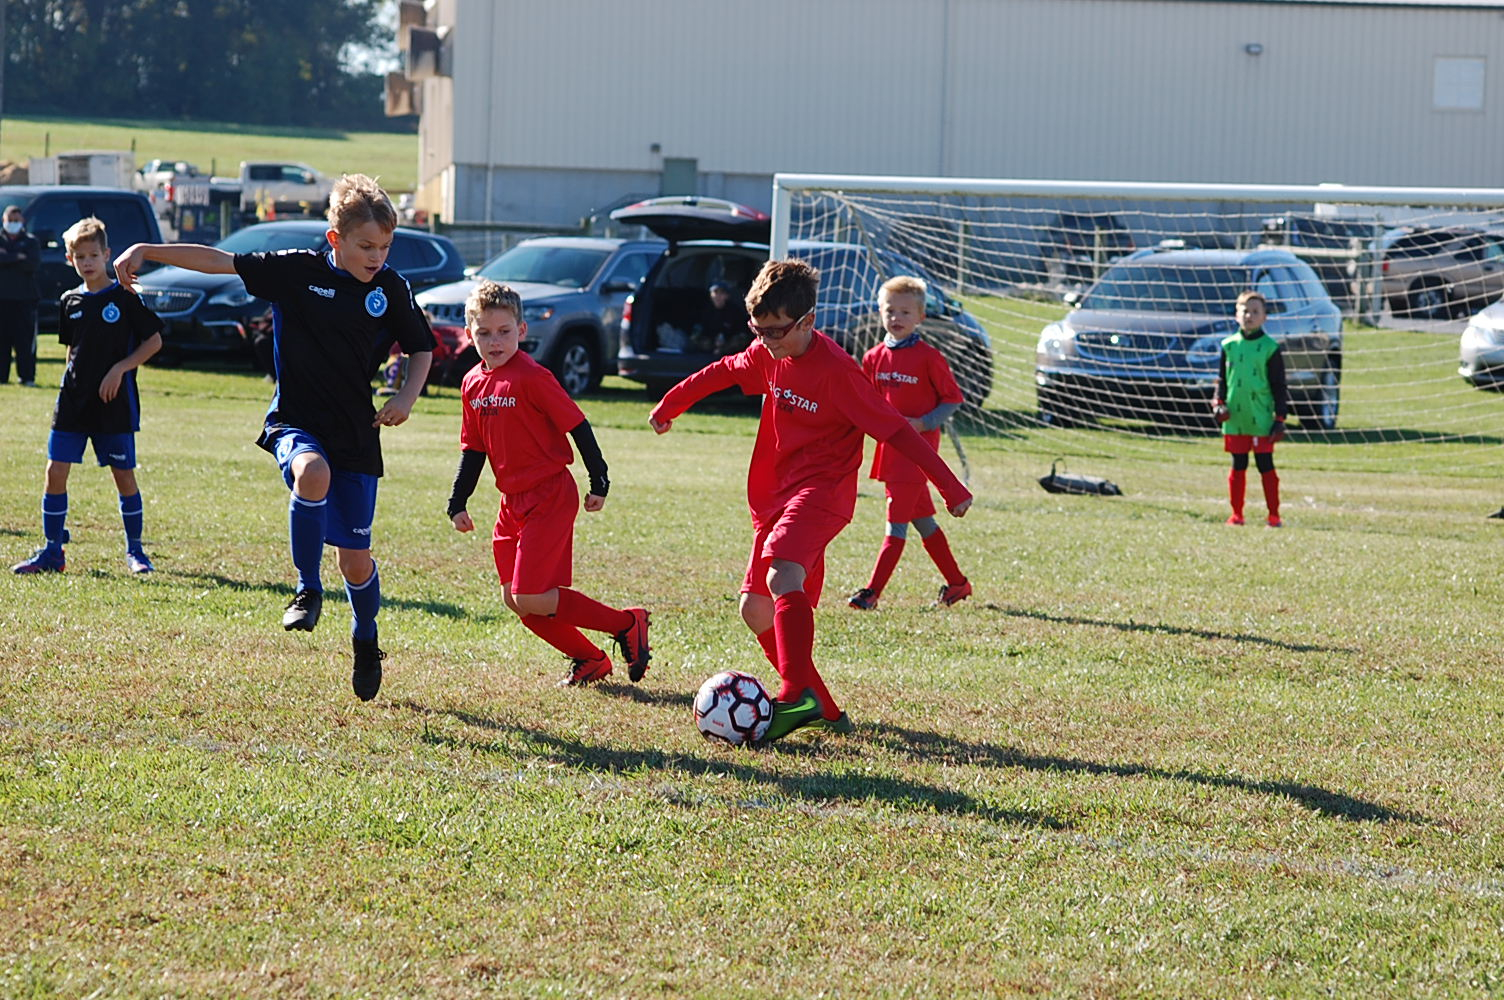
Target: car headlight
(1205,351)
(234,298)
(532,314)
(1056,342)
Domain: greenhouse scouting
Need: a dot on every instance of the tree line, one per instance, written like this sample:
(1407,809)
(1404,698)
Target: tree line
(249,61)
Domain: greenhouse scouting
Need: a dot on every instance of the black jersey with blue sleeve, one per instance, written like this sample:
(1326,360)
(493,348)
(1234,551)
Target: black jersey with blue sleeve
(327,329)
(102,328)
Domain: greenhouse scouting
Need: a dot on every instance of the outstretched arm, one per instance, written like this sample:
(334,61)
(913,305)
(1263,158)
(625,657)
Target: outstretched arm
(708,380)
(913,447)
(192,256)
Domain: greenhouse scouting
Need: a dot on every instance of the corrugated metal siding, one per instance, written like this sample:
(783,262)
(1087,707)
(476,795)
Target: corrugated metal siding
(1089,89)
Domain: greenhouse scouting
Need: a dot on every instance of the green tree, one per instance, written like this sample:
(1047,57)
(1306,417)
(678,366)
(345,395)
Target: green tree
(252,61)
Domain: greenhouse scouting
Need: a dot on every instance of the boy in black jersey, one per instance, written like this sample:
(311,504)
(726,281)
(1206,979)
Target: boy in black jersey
(333,312)
(109,333)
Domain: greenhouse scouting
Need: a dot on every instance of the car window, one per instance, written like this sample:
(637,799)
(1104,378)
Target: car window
(265,239)
(1267,285)
(124,219)
(1289,288)
(411,253)
(631,268)
(1310,282)
(51,216)
(1153,287)
(572,267)
(1493,253)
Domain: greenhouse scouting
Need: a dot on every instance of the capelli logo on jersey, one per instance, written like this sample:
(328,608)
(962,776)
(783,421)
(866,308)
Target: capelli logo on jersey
(77,315)
(897,377)
(789,398)
(492,402)
(327,293)
(360,531)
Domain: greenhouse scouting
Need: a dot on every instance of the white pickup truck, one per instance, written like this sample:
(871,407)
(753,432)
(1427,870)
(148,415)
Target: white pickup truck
(280,185)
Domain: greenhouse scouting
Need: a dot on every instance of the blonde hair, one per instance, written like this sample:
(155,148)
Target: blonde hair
(904,284)
(1251,295)
(356,200)
(85,231)
(490,295)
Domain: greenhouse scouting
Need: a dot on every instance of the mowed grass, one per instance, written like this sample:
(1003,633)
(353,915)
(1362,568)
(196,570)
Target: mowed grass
(220,146)
(1153,755)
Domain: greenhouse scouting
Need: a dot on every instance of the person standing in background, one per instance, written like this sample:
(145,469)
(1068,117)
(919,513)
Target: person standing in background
(19,254)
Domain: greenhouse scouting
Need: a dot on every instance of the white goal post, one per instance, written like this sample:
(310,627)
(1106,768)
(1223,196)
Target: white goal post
(1382,283)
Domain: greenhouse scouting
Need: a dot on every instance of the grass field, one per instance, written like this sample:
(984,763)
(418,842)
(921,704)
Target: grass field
(1154,756)
(220,146)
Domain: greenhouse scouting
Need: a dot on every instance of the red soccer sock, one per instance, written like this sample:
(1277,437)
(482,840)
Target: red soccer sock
(939,549)
(1271,491)
(887,560)
(562,636)
(586,612)
(769,643)
(1237,487)
(794,628)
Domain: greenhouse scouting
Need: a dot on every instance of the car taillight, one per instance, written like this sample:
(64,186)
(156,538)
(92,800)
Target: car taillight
(1385,267)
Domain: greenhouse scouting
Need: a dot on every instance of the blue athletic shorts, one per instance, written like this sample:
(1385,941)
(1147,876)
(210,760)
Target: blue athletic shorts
(118,451)
(352,495)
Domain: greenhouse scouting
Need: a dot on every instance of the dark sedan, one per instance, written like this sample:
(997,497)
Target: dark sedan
(213,314)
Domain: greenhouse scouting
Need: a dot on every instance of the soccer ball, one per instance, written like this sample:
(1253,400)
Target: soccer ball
(733,707)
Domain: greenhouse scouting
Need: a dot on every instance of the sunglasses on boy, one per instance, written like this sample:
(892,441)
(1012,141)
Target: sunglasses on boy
(774,332)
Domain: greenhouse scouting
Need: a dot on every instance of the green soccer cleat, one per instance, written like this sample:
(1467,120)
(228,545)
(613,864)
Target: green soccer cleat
(791,715)
(841,725)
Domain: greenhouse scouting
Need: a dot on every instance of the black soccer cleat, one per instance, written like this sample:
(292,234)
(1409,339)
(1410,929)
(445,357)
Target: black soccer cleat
(303,610)
(863,600)
(365,679)
(633,641)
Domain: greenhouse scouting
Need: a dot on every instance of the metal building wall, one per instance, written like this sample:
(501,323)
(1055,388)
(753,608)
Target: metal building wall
(556,106)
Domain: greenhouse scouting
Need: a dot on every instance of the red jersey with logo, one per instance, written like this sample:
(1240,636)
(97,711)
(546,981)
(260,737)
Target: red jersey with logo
(518,415)
(809,440)
(915,379)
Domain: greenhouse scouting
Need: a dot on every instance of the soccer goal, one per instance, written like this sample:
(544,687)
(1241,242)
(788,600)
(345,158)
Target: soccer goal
(1104,304)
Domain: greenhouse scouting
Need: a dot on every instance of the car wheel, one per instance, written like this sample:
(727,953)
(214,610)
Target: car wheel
(1428,300)
(573,364)
(1320,409)
(1055,412)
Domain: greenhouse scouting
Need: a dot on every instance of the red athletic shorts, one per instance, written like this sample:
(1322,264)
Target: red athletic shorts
(799,534)
(1242,444)
(534,537)
(908,501)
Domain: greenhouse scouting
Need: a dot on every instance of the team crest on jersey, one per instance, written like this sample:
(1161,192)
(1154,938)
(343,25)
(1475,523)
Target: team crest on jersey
(111,313)
(376,302)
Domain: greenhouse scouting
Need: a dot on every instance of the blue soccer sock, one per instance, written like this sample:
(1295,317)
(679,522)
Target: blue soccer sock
(54,517)
(132,514)
(306,521)
(365,603)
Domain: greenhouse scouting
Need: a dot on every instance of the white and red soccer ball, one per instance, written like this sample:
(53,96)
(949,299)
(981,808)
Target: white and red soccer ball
(733,707)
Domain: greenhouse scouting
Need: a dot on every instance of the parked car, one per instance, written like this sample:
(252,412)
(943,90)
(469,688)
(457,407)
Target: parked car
(49,210)
(214,314)
(1482,348)
(156,173)
(1441,273)
(1084,242)
(717,241)
(1145,340)
(573,289)
(1332,246)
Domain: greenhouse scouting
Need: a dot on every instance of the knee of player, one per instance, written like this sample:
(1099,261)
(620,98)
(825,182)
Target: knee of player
(310,476)
(757,612)
(533,604)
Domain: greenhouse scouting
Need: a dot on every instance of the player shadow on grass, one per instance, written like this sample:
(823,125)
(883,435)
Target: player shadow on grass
(898,793)
(334,595)
(1177,630)
(936,748)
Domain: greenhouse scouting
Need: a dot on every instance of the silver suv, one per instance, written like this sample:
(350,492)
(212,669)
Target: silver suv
(573,289)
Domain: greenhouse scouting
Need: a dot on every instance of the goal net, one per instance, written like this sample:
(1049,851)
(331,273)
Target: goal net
(1085,318)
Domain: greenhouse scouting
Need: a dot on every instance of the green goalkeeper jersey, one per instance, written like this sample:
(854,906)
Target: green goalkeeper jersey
(1250,396)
